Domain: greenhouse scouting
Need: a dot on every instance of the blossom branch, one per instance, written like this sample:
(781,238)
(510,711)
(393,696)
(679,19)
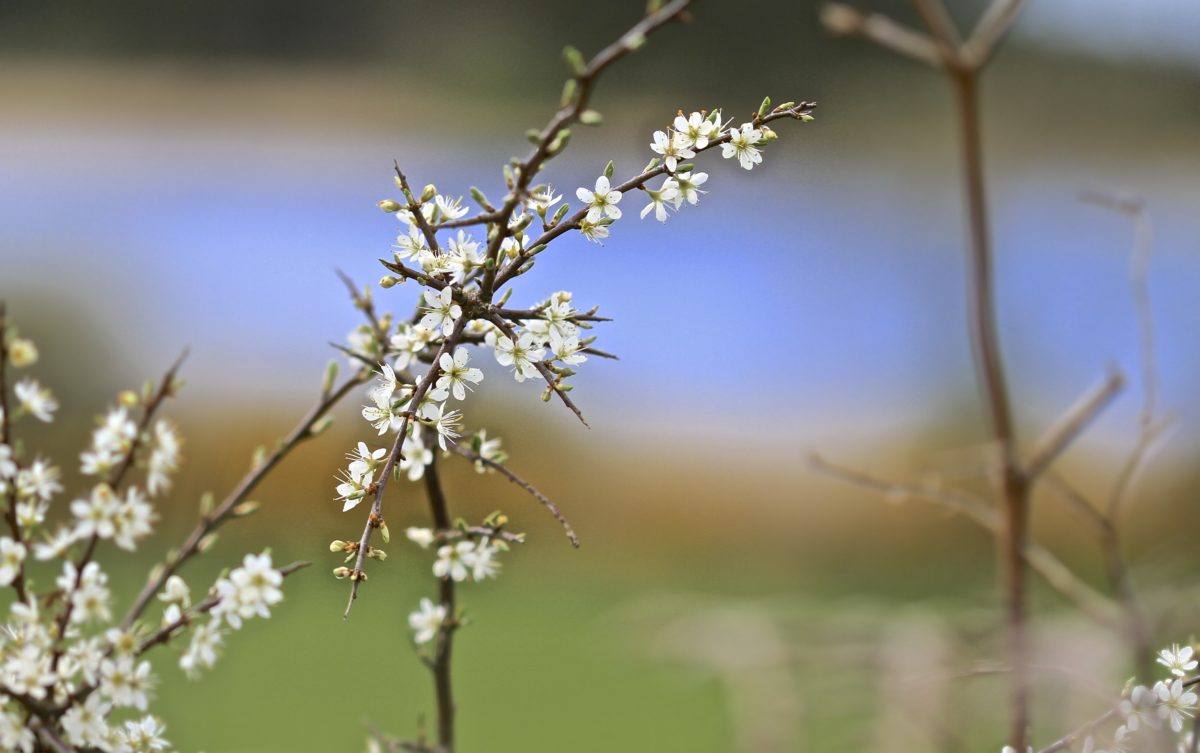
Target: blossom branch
(375,517)
(517,266)
(209,523)
(552,381)
(166,388)
(414,206)
(553,137)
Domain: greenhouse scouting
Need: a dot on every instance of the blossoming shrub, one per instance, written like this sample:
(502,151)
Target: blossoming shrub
(73,672)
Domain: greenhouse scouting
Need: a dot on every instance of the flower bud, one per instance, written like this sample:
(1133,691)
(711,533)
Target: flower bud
(387,281)
(391,206)
(341,572)
(128,398)
(246,508)
(574,59)
(22,352)
(428,193)
(337,545)
(591,118)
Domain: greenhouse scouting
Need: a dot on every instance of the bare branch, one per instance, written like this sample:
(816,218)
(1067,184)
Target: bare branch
(504,470)
(842,19)
(992,25)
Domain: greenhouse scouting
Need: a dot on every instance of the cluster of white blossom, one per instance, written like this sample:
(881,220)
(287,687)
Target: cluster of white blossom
(1166,704)
(73,674)
(424,363)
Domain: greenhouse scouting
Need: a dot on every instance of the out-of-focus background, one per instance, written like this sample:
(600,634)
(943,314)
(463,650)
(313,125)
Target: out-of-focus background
(191,174)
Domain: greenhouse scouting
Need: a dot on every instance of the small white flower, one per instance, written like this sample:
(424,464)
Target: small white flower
(482,561)
(8,468)
(455,373)
(126,683)
(602,202)
(145,735)
(542,199)
(443,311)
(452,561)
(1175,702)
(85,725)
(447,423)
(668,193)
(96,515)
(696,130)
(593,231)
(688,188)
(38,480)
(1177,659)
(12,558)
(521,355)
(672,148)
(202,651)
(416,457)
(35,399)
(176,591)
(450,209)
(742,145)
(422,537)
(427,621)
(1139,708)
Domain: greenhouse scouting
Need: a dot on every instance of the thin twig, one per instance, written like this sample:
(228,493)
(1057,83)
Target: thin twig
(505,471)
(844,20)
(1064,431)
(992,26)
(209,523)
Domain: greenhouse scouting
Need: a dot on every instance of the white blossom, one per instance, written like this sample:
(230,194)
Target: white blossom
(666,194)
(427,621)
(602,202)
(422,537)
(453,561)
(85,725)
(741,144)
(456,374)
(12,558)
(36,399)
(442,310)
(1177,659)
(521,355)
(202,651)
(696,130)
(249,591)
(1175,702)
(688,187)
(673,148)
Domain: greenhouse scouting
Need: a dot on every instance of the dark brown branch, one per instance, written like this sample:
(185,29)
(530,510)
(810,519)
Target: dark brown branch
(441,665)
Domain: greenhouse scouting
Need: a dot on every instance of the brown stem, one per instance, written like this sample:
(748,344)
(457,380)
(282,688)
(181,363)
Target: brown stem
(442,681)
(1011,482)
